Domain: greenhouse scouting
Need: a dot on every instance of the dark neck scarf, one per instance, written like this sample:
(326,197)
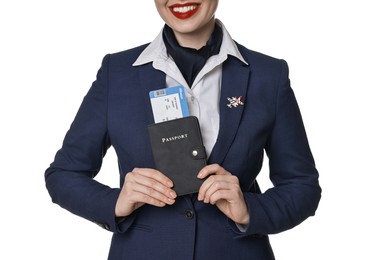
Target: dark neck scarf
(190,61)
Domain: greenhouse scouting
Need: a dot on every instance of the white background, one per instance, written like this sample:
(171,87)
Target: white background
(50,53)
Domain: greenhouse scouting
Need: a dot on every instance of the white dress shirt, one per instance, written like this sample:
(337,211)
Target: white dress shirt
(204,95)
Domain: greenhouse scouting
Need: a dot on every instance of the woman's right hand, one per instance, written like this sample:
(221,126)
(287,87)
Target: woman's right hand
(144,186)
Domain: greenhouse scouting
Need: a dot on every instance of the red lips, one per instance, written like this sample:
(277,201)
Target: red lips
(184,11)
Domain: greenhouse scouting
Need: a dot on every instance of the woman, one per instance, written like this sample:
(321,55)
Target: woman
(244,104)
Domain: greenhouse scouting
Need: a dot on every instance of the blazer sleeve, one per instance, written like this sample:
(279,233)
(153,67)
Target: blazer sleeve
(69,179)
(296,192)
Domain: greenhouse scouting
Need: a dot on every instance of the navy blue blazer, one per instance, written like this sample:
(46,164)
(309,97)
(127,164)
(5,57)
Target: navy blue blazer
(116,111)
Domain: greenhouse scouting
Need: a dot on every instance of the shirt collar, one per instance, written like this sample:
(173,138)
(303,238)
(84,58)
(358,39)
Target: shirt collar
(156,50)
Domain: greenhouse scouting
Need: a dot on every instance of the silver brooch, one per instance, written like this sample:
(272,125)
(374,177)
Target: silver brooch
(235,102)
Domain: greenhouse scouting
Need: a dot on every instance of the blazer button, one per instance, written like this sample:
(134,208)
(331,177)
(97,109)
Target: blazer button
(189,214)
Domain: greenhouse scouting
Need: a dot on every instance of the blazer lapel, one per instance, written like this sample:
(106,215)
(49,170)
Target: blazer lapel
(235,81)
(150,79)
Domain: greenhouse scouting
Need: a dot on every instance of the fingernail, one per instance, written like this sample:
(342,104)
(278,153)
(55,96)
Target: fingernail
(170,184)
(173,194)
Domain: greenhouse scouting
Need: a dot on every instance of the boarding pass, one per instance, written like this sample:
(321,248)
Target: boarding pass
(169,103)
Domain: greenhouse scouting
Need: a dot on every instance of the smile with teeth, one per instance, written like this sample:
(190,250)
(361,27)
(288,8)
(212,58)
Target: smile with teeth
(184,9)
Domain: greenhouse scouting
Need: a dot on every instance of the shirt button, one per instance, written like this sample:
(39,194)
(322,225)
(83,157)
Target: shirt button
(192,99)
(189,214)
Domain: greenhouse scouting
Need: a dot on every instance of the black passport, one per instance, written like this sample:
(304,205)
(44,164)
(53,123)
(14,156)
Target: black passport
(179,153)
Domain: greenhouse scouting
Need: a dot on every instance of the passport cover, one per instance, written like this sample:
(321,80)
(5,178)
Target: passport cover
(179,153)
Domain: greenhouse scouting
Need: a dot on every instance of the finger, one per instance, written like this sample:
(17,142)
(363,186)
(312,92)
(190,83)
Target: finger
(220,195)
(215,180)
(148,185)
(212,169)
(160,183)
(150,196)
(154,174)
(217,188)
(143,198)
(141,193)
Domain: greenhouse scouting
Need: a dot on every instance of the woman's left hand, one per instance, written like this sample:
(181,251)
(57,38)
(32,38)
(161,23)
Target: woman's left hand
(222,189)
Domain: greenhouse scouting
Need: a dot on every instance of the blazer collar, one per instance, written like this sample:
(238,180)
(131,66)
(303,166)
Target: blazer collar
(235,81)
